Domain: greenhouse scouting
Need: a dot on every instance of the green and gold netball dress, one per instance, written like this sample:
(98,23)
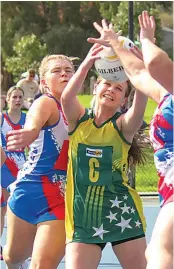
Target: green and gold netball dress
(100,206)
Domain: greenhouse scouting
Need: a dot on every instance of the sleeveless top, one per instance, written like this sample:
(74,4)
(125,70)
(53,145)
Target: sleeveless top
(97,183)
(15,159)
(161,135)
(48,153)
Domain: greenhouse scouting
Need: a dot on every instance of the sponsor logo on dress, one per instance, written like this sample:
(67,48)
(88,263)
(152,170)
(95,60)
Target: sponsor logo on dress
(97,153)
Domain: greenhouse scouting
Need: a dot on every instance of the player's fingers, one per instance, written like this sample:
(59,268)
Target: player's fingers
(97,27)
(104,24)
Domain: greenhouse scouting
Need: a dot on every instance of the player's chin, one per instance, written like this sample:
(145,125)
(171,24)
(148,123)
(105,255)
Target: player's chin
(60,90)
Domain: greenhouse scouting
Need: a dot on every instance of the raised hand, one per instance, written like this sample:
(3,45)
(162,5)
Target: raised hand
(107,34)
(92,55)
(147,26)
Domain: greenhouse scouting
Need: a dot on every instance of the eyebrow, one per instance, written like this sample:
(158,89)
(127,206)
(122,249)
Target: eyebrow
(119,85)
(17,95)
(59,67)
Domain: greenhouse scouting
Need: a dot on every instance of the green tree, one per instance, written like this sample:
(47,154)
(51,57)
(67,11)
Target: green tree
(19,19)
(109,9)
(27,53)
(46,19)
(120,20)
(167,5)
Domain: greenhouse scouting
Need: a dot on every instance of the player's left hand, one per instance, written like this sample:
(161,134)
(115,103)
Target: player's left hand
(107,34)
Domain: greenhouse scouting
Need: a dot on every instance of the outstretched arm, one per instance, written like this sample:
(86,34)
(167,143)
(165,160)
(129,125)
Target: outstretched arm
(37,116)
(133,65)
(73,110)
(156,60)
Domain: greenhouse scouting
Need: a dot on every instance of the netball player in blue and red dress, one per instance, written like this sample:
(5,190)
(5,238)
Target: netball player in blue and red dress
(160,67)
(154,77)
(36,209)
(12,119)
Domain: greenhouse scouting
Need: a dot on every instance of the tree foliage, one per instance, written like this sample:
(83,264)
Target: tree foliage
(27,53)
(30,29)
(120,20)
(109,9)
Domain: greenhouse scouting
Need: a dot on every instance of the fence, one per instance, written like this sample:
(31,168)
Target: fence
(144,178)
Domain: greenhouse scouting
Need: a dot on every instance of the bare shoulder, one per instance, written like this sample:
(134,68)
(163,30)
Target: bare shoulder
(44,99)
(43,104)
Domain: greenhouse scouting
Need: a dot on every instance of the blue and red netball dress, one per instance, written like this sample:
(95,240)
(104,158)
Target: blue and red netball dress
(161,133)
(38,193)
(15,159)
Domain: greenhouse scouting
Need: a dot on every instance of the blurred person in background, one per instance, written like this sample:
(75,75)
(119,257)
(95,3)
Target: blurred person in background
(25,74)
(29,86)
(12,119)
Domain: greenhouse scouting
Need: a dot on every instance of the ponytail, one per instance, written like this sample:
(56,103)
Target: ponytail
(137,154)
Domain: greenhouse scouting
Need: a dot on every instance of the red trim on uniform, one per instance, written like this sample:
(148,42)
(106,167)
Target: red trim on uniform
(166,191)
(163,122)
(15,126)
(62,161)
(12,167)
(55,197)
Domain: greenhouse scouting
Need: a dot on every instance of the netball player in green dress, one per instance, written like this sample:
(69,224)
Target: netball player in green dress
(100,206)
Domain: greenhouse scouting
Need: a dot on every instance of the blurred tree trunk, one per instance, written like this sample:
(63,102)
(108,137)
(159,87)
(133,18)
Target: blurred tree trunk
(6,81)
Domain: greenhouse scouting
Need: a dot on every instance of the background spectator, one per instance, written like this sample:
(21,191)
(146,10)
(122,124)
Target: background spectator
(29,86)
(25,74)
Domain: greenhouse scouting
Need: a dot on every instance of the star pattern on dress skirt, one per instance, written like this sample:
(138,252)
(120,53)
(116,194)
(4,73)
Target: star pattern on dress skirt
(137,223)
(124,224)
(125,197)
(125,209)
(100,231)
(112,216)
(115,202)
(132,210)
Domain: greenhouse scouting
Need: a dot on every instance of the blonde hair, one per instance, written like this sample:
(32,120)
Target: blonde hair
(44,65)
(9,92)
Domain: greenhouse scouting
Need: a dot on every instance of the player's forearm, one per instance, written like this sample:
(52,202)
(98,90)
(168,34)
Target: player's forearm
(153,55)
(158,64)
(75,84)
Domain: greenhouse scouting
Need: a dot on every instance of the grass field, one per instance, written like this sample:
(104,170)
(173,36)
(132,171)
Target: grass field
(146,175)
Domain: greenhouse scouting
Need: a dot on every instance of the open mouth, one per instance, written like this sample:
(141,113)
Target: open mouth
(108,97)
